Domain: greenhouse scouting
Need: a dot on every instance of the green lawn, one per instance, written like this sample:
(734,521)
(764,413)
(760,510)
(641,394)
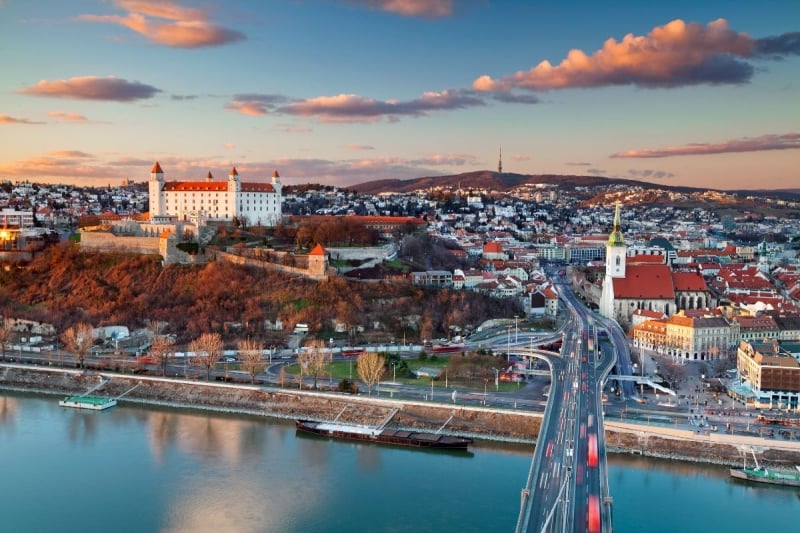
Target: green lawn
(347,370)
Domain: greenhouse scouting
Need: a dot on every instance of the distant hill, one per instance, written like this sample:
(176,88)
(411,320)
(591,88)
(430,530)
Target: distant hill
(500,182)
(506,181)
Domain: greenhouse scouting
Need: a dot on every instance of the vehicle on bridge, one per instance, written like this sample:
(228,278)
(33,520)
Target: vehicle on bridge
(592,450)
(593,514)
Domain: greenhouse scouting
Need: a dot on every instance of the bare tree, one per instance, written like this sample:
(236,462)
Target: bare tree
(282,376)
(160,350)
(207,349)
(314,361)
(5,334)
(370,367)
(250,355)
(78,340)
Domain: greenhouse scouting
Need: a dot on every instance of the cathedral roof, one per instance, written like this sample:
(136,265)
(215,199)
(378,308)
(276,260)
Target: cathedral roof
(688,281)
(645,282)
(156,169)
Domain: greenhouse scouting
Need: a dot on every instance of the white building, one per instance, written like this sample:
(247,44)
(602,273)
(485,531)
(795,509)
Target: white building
(200,201)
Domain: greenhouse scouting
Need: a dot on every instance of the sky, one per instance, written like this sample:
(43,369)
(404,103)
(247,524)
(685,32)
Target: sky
(705,94)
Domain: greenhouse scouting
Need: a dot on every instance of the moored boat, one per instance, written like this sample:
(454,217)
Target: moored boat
(775,477)
(94,403)
(761,474)
(396,437)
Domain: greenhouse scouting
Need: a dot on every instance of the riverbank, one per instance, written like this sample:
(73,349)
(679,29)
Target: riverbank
(460,420)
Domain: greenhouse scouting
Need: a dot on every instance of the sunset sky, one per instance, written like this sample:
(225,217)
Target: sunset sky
(701,93)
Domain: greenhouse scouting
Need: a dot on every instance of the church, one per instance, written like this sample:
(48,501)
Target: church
(199,202)
(646,283)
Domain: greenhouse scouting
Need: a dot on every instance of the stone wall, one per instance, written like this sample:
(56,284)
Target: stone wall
(312,273)
(104,241)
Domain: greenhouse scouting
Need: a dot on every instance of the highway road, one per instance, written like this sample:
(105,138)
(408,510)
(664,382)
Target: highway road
(567,489)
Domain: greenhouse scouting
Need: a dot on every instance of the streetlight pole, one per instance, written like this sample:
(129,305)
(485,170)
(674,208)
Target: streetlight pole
(394,371)
(516,330)
(508,344)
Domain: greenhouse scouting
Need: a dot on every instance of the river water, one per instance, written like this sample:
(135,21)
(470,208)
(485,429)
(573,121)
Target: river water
(145,469)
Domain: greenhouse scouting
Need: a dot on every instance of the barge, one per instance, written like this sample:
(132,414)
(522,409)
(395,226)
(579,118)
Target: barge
(95,403)
(761,474)
(395,437)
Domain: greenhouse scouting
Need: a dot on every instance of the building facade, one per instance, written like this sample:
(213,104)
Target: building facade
(772,374)
(201,201)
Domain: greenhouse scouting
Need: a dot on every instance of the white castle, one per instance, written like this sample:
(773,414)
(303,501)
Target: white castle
(201,201)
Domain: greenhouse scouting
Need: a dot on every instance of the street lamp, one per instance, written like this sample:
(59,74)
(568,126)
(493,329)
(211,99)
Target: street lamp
(516,330)
(394,371)
(508,344)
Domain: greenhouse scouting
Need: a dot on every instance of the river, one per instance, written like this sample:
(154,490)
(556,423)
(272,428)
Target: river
(145,469)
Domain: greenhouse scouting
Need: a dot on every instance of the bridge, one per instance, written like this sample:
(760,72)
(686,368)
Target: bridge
(567,485)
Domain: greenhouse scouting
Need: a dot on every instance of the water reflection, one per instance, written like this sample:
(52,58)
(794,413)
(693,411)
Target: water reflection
(8,411)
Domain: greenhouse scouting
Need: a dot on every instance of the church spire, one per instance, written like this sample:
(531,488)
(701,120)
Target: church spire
(500,161)
(615,239)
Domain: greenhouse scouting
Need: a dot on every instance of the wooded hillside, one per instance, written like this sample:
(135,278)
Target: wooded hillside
(64,286)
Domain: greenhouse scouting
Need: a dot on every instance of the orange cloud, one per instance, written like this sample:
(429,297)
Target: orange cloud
(412,8)
(69,117)
(92,88)
(6,119)
(786,141)
(360,147)
(672,55)
(169,24)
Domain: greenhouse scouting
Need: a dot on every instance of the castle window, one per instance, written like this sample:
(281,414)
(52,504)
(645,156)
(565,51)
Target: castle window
(618,260)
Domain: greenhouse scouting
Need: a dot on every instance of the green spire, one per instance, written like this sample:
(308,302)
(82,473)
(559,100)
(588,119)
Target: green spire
(615,239)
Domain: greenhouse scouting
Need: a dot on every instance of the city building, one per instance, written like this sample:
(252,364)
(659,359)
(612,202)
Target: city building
(770,372)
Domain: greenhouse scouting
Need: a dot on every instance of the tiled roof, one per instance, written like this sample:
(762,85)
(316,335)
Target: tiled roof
(493,248)
(318,250)
(688,281)
(184,186)
(257,187)
(651,259)
(645,282)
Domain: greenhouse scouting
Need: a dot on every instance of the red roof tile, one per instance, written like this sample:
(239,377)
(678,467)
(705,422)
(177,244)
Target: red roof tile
(651,259)
(688,281)
(318,250)
(645,282)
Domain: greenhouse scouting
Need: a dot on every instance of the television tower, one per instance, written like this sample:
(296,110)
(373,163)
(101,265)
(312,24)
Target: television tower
(500,161)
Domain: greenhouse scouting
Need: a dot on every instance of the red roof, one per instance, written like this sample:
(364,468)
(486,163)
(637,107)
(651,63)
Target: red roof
(318,250)
(493,247)
(688,281)
(639,259)
(156,169)
(645,282)
(257,187)
(218,186)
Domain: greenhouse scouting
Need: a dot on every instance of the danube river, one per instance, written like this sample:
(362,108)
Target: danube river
(144,469)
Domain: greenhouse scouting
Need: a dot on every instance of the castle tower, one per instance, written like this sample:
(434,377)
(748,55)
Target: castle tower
(276,182)
(616,251)
(156,192)
(318,262)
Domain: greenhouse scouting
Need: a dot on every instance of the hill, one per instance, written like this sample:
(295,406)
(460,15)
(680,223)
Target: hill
(63,286)
(506,181)
(496,181)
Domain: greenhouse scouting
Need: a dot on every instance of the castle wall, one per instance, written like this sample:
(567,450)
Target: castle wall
(316,270)
(106,241)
